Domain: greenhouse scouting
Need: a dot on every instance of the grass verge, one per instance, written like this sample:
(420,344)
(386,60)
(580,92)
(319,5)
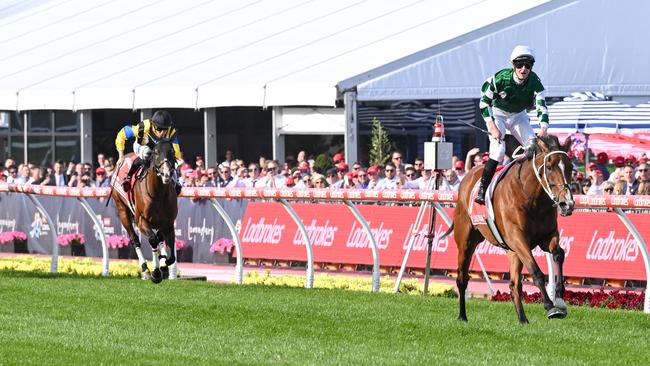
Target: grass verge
(65,319)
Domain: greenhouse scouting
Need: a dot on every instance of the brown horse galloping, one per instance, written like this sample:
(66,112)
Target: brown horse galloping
(525,204)
(155,210)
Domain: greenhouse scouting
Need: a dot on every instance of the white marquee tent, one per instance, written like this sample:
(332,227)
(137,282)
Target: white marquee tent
(580,45)
(89,54)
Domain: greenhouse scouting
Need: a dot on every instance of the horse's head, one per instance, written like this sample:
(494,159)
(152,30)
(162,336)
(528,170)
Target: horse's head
(164,160)
(553,169)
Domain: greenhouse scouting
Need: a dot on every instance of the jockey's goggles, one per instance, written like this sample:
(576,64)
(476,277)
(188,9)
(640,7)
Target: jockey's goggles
(159,129)
(520,64)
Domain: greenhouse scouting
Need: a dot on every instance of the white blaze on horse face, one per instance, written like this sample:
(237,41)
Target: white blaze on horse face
(166,173)
(568,195)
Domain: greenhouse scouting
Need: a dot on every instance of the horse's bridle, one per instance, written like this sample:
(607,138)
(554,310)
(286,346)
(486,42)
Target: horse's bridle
(158,168)
(546,185)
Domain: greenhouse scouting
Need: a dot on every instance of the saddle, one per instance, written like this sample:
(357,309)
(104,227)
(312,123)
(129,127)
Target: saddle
(484,214)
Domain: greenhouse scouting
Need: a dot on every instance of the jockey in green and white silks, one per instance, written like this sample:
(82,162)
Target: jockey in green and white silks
(505,96)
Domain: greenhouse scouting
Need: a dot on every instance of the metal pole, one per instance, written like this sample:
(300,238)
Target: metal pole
(640,243)
(430,236)
(239,267)
(309,281)
(416,225)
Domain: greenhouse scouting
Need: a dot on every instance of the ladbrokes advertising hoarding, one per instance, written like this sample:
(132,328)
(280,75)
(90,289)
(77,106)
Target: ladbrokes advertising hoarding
(597,245)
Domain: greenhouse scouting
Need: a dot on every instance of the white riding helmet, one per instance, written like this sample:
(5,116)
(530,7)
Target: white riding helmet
(522,53)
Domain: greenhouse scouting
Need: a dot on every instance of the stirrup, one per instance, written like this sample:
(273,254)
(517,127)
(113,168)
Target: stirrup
(480,197)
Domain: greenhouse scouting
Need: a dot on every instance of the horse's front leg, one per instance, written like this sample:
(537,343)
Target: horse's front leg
(168,251)
(155,238)
(558,258)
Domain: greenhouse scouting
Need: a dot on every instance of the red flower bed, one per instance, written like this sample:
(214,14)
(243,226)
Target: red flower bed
(628,300)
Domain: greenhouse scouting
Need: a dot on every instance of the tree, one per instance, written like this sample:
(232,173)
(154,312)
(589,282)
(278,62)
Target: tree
(380,144)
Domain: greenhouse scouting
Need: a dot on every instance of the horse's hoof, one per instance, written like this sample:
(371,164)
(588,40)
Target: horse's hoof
(556,313)
(156,276)
(560,304)
(145,275)
(165,272)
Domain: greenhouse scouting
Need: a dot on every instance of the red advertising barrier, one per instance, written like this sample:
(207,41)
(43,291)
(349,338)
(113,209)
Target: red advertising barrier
(597,245)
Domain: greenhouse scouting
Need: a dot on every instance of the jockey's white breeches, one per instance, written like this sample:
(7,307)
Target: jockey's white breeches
(519,126)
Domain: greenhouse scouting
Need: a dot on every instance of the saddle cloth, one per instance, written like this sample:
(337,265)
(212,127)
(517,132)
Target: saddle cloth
(123,170)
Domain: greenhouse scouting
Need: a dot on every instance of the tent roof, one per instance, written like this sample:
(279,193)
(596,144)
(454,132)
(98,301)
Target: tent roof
(580,45)
(80,54)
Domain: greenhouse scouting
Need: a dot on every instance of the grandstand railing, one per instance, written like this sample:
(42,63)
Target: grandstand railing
(349,197)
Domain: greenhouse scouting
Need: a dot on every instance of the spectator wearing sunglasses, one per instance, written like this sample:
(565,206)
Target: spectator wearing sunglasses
(390,179)
(505,96)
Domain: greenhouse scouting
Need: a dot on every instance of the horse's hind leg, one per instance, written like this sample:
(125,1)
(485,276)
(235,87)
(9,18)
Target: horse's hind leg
(466,238)
(516,285)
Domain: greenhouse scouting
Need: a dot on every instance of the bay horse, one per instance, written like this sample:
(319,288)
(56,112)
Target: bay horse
(526,202)
(154,212)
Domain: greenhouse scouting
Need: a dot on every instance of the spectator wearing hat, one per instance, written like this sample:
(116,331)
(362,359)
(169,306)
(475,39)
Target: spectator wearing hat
(341,170)
(596,179)
(459,169)
(338,158)
(372,176)
(390,179)
(101,178)
(331,175)
(601,163)
(619,163)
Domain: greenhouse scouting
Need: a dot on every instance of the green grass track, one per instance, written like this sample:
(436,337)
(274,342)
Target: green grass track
(65,320)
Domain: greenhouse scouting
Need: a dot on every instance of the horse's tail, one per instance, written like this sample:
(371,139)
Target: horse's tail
(451,228)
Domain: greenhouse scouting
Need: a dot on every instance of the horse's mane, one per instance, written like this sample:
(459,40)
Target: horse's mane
(552,141)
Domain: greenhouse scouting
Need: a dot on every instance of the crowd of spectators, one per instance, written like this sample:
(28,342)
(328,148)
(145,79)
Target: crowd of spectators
(60,173)
(627,175)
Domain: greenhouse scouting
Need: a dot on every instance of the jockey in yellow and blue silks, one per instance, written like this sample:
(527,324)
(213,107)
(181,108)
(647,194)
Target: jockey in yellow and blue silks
(504,99)
(160,126)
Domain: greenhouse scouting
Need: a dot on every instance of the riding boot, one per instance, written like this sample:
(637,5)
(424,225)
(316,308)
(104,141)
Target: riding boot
(126,183)
(488,172)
